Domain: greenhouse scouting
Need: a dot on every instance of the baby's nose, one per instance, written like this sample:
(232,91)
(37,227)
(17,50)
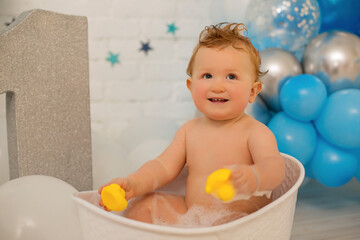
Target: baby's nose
(218,86)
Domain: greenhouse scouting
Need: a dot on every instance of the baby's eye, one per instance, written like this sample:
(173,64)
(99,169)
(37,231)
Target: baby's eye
(207,76)
(231,77)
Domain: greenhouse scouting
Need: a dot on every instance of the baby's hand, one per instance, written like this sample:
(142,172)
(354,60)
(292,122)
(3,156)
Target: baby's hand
(124,183)
(244,179)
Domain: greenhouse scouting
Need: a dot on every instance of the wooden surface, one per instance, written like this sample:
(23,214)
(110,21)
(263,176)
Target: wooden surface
(324,213)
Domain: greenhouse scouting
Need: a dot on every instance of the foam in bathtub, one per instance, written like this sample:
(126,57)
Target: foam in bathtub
(199,217)
(275,219)
(256,194)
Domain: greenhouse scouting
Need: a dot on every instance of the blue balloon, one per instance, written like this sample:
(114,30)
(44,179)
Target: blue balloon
(340,15)
(331,165)
(355,152)
(260,111)
(339,120)
(293,137)
(357,174)
(339,83)
(308,170)
(303,96)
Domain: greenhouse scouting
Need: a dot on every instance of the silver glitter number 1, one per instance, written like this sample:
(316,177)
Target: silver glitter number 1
(44,71)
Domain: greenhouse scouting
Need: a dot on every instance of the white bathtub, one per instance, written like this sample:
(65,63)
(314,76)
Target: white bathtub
(273,221)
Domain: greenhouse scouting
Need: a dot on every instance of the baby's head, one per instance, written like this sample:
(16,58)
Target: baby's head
(224,35)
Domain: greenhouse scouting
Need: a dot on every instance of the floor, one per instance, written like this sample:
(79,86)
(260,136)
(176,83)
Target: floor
(324,213)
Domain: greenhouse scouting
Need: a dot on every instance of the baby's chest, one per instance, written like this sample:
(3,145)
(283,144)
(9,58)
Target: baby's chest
(213,152)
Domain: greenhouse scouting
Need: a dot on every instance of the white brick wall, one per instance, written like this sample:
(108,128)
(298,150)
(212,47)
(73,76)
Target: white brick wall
(140,86)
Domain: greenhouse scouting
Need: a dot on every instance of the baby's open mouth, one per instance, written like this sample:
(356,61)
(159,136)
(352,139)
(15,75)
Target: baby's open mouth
(218,99)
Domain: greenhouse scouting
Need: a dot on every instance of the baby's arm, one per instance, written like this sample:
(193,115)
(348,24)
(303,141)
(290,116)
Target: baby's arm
(158,172)
(268,170)
(162,170)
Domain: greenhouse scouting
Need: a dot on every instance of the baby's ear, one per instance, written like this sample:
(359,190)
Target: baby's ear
(188,83)
(255,90)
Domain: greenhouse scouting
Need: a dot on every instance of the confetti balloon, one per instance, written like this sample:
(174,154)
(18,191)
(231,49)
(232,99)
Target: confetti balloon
(339,121)
(281,65)
(334,58)
(288,24)
(295,138)
(303,96)
(331,165)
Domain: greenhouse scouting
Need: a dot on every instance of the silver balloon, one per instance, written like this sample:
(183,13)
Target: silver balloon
(281,65)
(335,58)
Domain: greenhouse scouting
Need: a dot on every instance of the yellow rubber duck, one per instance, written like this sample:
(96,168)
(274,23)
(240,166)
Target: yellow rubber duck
(218,183)
(113,198)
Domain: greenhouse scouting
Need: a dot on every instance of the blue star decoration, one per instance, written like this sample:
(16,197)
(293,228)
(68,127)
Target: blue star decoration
(145,47)
(172,28)
(113,58)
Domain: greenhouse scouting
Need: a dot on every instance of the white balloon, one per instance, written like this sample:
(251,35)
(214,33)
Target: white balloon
(108,159)
(146,151)
(38,208)
(4,157)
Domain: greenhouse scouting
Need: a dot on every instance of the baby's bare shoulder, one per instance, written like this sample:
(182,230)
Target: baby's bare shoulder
(188,126)
(257,128)
(192,123)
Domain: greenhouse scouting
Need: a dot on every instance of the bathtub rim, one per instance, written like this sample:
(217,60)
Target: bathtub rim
(198,230)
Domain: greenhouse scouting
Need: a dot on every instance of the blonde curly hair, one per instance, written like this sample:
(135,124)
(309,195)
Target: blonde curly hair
(223,35)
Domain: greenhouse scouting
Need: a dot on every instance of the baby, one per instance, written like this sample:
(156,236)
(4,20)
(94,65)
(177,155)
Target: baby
(223,78)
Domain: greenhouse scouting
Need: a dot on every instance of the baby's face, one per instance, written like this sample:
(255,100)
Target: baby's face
(222,83)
